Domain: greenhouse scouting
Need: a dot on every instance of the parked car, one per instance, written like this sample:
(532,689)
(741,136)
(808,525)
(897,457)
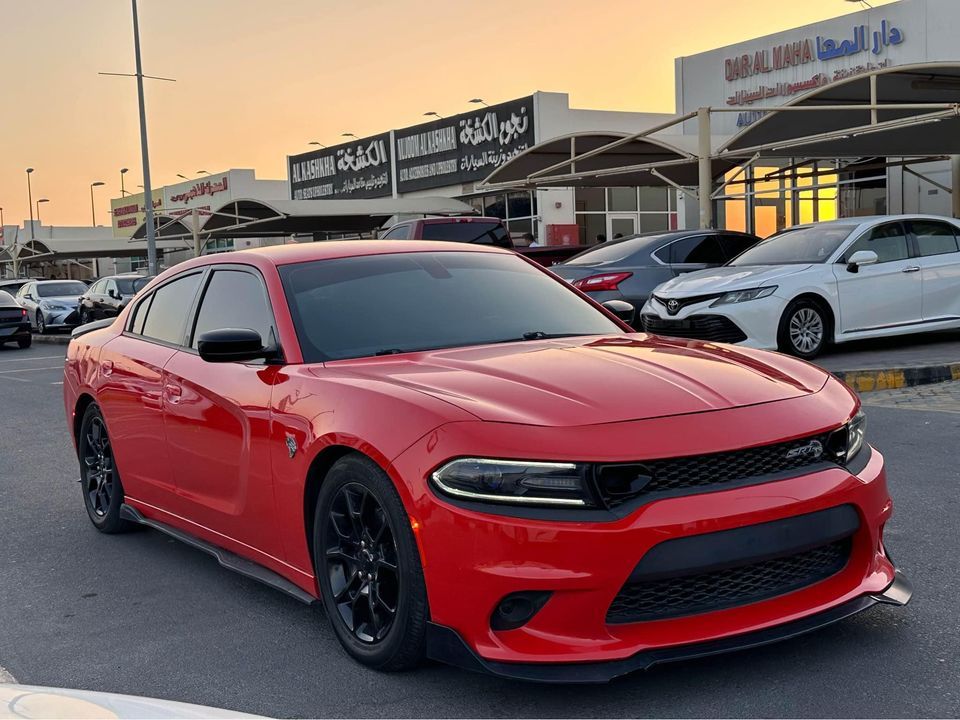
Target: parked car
(630,268)
(109,295)
(466,458)
(14,324)
(811,285)
(51,304)
(13,285)
(480,231)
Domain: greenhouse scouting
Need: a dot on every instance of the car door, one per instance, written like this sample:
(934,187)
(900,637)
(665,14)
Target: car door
(217,417)
(91,300)
(110,301)
(694,252)
(886,294)
(938,254)
(130,392)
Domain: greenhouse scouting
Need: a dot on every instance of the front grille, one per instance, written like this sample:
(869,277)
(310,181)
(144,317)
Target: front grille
(715,328)
(618,483)
(683,302)
(706,592)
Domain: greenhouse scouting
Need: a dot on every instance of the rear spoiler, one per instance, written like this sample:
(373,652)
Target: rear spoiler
(91,326)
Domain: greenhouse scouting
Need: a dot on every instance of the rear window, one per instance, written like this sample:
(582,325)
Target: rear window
(129,286)
(612,251)
(6,299)
(479,232)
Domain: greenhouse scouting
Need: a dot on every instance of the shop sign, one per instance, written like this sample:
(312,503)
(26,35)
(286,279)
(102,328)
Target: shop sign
(358,169)
(130,212)
(463,148)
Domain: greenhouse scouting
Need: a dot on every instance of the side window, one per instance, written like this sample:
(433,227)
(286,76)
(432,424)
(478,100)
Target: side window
(699,249)
(398,233)
(111,285)
(888,241)
(25,290)
(733,245)
(97,288)
(234,299)
(167,316)
(140,315)
(934,238)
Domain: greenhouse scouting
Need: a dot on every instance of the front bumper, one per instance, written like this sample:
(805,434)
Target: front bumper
(474,557)
(757,319)
(55,319)
(445,645)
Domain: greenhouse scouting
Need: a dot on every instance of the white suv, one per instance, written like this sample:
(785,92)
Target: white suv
(838,281)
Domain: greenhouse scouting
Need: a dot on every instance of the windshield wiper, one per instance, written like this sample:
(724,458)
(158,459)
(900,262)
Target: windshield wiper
(390,351)
(540,335)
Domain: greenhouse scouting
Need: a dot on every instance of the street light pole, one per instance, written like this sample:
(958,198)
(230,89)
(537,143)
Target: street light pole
(30,200)
(147,190)
(93,208)
(123,190)
(41,200)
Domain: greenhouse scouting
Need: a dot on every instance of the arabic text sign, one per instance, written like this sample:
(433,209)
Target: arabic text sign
(358,169)
(128,213)
(808,50)
(463,148)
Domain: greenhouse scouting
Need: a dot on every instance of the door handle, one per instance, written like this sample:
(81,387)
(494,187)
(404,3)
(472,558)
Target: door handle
(172,393)
(912,268)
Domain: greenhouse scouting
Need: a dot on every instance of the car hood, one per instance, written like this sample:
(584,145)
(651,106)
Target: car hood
(591,380)
(726,279)
(61,299)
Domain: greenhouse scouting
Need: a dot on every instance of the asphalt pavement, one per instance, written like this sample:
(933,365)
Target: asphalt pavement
(146,615)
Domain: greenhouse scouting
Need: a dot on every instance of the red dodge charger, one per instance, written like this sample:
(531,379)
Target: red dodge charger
(465,458)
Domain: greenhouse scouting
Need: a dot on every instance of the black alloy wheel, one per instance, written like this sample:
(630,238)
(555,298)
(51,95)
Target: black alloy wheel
(102,489)
(368,566)
(362,566)
(41,325)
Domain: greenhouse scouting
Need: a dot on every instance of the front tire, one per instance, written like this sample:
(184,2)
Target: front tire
(99,479)
(804,329)
(41,325)
(368,566)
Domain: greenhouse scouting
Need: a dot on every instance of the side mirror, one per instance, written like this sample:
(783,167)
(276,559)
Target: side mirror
(231,345)
(861,257)
(622,309)
(113,293)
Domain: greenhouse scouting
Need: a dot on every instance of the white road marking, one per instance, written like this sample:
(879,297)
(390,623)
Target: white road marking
(28,359)
(16,379)
(50,367)
(6,677)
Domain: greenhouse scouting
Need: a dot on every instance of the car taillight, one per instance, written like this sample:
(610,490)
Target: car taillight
(23,312)
(608,281)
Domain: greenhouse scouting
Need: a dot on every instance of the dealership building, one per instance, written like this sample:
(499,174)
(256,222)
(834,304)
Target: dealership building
(745,150)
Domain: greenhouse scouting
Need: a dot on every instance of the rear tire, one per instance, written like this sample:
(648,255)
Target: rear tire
(804,329)
(368,566)
(99,479)
(25,342)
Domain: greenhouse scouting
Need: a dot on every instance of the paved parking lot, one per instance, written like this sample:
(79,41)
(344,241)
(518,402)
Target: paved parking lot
(143,614)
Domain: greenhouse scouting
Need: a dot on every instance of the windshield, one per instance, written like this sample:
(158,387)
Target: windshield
(813,244)
(60,289)
(404,302)
(131,286)
(471,231)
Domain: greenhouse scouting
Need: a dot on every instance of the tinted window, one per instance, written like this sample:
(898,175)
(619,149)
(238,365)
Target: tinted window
(234,299)
(139,315)
(482,233)
(613,251)
(699,249)
(934,238)
(167,315)
(398,233)
(130,285)
(804,245)
(380,304)
(733,245)
(888,241)
(59,289)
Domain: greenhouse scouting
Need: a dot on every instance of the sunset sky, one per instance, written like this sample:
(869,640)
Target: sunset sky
(258,79)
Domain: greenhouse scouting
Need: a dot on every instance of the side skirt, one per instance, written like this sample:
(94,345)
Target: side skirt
(227,559)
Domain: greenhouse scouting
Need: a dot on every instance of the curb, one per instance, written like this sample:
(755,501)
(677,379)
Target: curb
(51,339)
(894,378)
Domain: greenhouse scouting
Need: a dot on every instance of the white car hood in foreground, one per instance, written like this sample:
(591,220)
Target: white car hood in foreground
(726,279)
(23,701)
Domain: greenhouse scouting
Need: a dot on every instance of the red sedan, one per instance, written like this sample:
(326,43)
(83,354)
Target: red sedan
(467,459)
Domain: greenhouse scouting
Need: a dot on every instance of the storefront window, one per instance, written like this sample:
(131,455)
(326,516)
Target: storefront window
(593,228)
(591,200)
(621,199)
(495,206)
(518,205)
(655,198)
(605,213)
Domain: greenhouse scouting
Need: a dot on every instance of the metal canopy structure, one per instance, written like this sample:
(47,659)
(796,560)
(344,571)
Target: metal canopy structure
(249,217)
(904,111)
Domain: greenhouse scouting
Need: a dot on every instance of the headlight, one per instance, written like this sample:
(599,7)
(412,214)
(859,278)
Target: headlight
(517,482)
(849,440)
(743,295)
(47,305)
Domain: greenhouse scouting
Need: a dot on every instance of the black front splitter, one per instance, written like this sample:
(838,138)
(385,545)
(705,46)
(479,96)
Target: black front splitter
(445,645)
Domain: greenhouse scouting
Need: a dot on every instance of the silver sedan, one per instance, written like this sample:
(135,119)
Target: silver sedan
(52,304)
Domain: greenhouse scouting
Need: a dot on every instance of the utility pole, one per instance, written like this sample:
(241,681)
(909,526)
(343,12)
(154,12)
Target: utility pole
(147,190)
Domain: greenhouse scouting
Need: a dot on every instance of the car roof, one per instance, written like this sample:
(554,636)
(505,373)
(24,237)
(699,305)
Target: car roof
(448,219)
(653,240)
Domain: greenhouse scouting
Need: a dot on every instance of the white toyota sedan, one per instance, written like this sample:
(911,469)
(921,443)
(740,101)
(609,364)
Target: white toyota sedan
(815,284)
